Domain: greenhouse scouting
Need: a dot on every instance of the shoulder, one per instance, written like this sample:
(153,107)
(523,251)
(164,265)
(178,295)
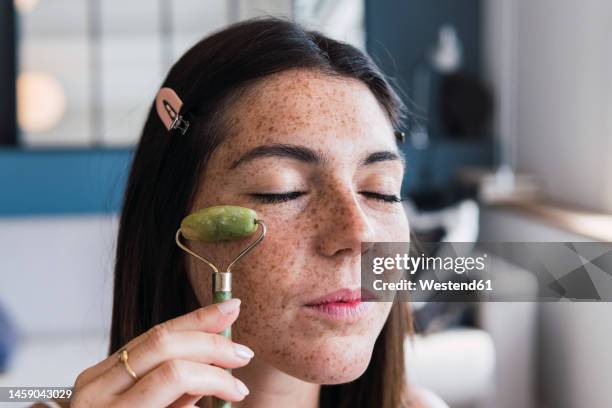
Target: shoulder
(426,398)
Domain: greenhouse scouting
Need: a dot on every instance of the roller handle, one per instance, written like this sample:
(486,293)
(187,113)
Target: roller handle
(218,297)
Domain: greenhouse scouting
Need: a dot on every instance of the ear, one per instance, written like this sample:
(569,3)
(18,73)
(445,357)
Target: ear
(400,136)
(168,106)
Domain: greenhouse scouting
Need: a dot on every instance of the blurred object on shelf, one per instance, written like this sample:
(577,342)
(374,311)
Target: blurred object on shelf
(443,58)
(455,223)
(585,222)
(447,55)
(499,186)
(466,106)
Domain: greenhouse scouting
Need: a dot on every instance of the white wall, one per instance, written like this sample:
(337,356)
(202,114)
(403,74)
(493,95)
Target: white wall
(56,283)
(574,356)
(551,65)
(556,101)
(56,273)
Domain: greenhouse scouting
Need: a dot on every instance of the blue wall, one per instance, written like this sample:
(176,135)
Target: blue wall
(61,181)
(399,33)
(434,170)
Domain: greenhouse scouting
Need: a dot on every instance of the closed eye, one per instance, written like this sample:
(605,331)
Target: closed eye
(276,198)
(388,198)
(270,198)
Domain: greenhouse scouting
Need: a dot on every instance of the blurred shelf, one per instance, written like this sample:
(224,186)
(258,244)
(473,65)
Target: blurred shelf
(591,224)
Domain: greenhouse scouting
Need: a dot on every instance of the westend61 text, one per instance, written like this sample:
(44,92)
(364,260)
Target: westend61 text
(430,284)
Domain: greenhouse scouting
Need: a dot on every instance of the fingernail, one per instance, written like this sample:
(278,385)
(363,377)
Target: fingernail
(243,351)
(229,306)
(242,389)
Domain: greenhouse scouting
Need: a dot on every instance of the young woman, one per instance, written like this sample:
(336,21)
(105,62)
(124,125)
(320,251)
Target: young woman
(302,129)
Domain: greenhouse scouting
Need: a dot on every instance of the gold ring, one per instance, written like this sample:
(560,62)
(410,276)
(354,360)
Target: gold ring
(123,357)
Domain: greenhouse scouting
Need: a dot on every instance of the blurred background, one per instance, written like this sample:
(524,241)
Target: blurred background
(509,139)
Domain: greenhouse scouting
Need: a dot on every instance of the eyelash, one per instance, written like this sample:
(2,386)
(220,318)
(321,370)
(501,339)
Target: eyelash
(276,198)
(388,198)
(279,198)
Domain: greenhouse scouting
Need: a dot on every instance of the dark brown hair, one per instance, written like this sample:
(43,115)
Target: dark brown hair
(151,283)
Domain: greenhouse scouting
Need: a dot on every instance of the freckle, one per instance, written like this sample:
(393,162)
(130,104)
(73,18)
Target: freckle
(271,129)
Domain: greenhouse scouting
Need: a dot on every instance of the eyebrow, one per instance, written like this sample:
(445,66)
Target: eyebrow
(384,155)
(307,155)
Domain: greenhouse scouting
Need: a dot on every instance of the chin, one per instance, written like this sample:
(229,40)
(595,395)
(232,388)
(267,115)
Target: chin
(335,364)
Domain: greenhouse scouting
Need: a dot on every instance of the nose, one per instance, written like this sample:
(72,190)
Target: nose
(348,229)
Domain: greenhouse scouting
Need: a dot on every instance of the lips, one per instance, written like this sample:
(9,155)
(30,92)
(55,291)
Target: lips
(344,295)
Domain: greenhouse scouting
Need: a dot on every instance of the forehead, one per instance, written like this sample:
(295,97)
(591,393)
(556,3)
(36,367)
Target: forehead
(309,105)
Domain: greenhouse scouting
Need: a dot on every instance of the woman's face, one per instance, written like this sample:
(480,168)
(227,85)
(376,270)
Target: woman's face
(329,127)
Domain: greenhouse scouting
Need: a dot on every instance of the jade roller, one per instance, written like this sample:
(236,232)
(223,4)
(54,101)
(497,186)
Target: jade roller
(216,224)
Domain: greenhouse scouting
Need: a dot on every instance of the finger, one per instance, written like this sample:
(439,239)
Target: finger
(163,345)
(213,318)
(186,401)
(171,380)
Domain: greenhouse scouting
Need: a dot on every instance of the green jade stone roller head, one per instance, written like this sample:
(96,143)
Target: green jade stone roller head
(217,224)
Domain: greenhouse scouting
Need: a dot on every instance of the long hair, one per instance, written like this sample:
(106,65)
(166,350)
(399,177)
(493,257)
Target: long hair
(151,283)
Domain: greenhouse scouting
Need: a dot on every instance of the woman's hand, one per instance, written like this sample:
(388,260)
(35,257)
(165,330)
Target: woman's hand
(177,363)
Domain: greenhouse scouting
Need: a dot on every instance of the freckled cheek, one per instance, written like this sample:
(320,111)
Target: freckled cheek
(264,315)
(268,281)
(273,268)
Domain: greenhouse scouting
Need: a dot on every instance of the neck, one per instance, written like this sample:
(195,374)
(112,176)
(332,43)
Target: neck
(271,387)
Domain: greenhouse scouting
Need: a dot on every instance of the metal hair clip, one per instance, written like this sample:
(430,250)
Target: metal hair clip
(178,122)
(168,106)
